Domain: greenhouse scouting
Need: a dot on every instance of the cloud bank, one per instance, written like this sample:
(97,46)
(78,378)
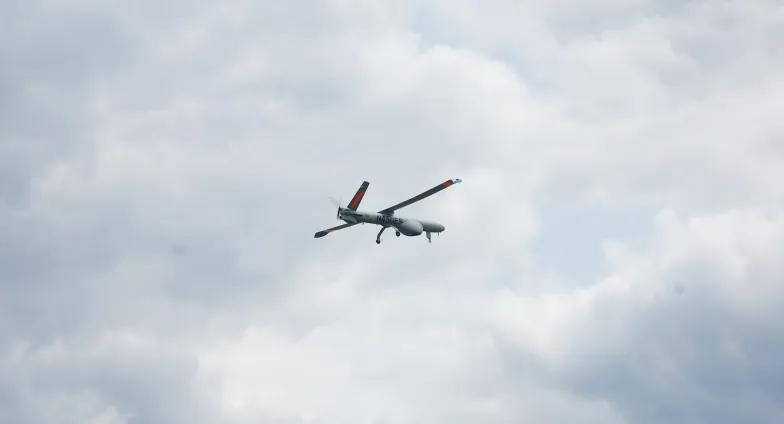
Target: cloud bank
(612,255)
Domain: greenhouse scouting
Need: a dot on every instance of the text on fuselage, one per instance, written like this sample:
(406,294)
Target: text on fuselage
(385,219)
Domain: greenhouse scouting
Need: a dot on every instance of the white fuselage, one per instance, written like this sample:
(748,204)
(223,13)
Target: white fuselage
(406,226)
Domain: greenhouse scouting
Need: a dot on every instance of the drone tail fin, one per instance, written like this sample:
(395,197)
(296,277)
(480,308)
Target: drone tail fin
(357,199)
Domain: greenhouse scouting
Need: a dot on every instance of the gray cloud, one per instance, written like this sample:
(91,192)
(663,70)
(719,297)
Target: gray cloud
(655,355)
(163,170)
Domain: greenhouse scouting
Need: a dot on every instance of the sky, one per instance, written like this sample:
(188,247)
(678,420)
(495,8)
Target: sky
(612,255)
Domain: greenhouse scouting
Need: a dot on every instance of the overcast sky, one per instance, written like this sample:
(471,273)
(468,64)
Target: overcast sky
(613,255)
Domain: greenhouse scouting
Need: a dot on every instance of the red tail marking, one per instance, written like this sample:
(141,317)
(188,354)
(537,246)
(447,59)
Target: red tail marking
(356,201)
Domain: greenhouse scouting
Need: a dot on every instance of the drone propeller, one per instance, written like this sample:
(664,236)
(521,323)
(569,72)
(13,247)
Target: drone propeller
(338,204)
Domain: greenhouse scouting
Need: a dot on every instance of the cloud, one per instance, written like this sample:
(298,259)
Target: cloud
(163,170)
(658,353)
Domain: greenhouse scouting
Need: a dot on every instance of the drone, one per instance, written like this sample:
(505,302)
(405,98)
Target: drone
(386,218)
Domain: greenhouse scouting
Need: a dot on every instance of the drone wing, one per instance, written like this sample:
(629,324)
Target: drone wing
(420,196)
(322,233)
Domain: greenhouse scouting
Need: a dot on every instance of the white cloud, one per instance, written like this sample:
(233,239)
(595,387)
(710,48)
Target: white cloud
(162,173)
(688,314)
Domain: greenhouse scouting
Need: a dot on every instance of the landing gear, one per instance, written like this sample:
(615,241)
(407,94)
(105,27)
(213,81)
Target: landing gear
(429,240)
(378,237)
(397,233)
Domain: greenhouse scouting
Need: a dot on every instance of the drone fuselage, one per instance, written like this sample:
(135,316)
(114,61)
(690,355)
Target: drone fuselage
(407,226)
